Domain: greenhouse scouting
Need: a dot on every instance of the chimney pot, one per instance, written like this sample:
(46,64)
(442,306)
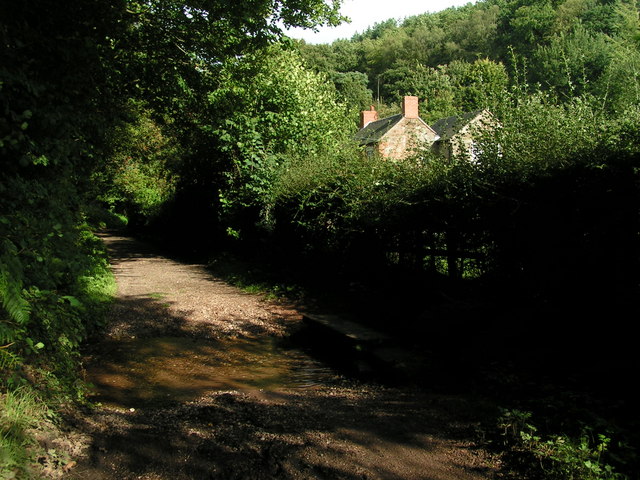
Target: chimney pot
(368,116)
(410,107)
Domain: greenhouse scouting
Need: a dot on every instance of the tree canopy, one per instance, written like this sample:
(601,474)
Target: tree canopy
(570,47)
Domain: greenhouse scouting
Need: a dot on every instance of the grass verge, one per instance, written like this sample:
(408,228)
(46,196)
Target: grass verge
(21,414)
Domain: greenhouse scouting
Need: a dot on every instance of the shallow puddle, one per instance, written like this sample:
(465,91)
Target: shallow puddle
(165,369)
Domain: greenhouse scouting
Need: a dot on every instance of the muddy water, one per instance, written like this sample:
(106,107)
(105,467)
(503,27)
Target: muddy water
(166,369)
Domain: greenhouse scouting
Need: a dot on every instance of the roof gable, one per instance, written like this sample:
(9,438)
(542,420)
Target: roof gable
(374,131)
(450,126)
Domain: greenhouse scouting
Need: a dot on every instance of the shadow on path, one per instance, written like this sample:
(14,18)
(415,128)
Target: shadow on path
(197,382)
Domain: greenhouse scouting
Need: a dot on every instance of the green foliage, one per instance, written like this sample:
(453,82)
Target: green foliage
(333,202)
(531,23)
(20,411)
(572,48)
(13,302)
(352,90)
(556,456)
(433,85)
(66,282)
(477,85)
(274,109)
(570,61)
(569,129)
(618,88)
(51,124)
(138,178)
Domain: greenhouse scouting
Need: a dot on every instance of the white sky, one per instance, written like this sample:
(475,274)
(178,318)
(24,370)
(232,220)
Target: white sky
(364,13)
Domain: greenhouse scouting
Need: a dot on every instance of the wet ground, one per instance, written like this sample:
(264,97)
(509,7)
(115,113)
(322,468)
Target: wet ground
(195,379)
(145,371)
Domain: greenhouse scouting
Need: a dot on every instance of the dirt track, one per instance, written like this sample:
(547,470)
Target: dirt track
(339,429)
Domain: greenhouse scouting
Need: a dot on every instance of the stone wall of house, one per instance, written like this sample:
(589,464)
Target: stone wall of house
(463,144)
(403,140)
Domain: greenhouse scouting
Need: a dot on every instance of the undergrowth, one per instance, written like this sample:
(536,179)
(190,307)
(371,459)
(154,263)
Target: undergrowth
(39,356)
(554,456)
(20,412)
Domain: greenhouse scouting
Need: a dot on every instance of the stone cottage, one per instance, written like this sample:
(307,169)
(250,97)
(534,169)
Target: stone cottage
(398,136)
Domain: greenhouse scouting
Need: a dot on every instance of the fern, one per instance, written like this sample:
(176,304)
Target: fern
(11,297)
(14,308)
(12,301)
(8,359)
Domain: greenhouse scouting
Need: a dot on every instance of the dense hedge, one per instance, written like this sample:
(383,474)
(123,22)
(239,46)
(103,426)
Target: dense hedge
(562,216)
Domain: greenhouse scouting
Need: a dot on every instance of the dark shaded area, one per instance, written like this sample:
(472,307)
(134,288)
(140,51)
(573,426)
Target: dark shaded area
(572,364)
(547,327)
(238,436)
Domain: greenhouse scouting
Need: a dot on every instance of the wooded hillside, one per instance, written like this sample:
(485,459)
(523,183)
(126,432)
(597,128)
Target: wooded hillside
(462,59)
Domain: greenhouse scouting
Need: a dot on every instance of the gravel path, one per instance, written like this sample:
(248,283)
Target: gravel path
(339,429)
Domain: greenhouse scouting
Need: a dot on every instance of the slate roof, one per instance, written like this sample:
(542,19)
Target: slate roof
(449,126)
(374,131)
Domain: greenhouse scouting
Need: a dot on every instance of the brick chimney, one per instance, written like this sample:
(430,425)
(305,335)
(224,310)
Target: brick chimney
(368,116)
(410,107)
